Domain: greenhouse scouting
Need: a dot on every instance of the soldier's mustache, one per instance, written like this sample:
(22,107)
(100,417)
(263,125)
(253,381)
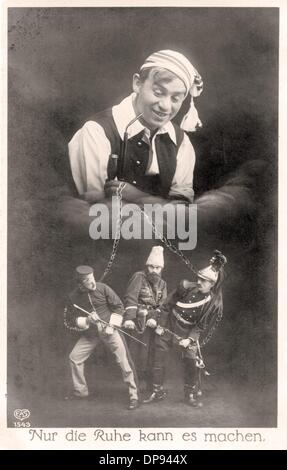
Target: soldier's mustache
(154,277)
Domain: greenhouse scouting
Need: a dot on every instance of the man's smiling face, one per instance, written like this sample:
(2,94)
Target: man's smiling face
(159,98)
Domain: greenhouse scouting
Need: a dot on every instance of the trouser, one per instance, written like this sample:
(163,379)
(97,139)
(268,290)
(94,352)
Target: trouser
(84,348)
(162,346)
(143,356)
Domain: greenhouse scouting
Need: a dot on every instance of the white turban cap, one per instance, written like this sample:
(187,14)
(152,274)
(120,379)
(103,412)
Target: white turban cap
(178,64)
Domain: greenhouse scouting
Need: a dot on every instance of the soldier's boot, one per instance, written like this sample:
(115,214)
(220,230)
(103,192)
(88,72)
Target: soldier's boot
(158,394)
(191,396)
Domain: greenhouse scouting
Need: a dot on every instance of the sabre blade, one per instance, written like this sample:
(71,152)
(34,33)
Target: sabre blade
(116,328)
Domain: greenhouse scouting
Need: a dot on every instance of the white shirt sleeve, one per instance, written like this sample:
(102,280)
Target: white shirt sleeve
(182,183)
(89,152)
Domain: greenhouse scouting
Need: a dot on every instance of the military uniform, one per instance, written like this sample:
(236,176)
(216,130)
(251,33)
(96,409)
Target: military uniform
(140,294)
(188,314)
(104,301)
(142,301)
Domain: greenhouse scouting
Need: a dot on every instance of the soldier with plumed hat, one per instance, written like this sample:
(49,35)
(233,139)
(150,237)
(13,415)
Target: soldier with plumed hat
(188,320)
(95,310)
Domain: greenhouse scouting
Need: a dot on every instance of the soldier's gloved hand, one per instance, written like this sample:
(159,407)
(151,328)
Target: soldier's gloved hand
(159,330)
(129,325)
(185,342)
(82,323)
(109,330)
(151,323)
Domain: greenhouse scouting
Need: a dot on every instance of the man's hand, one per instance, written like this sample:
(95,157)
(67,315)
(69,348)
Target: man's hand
(151,323)
(129,325)
(159,330)
(93,196)
(82,323)
(130,193)
(111,187)
(95,320)
(178,201)
(185,343)
(94,317)
(109,330)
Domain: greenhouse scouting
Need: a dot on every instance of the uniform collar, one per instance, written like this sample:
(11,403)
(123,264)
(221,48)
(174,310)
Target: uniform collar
(124,112)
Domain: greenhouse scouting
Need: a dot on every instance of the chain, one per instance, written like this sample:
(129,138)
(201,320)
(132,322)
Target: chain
(156,232)
(211,331)
(119,194)
(67,324)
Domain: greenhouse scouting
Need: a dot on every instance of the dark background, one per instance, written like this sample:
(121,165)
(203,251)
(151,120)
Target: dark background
(65,64)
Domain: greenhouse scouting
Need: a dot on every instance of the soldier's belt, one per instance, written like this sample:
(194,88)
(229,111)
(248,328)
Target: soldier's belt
(194,304)
(142,306)
(181,320)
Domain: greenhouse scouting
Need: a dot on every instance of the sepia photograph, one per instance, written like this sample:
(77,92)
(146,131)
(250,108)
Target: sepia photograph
(142,218)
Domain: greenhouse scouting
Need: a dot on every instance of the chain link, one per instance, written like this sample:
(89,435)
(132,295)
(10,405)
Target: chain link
(156,232)
(119,195)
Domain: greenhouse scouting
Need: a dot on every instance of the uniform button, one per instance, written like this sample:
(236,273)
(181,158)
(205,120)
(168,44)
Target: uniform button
(140,143)
(193,296)
(134,182)
(138,163)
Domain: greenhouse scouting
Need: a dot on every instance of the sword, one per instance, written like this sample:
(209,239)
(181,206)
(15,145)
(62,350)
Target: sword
(115,327)
(177,337)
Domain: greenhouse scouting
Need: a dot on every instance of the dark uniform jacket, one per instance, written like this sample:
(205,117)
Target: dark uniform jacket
(140,293)
(103,300)
(193,314)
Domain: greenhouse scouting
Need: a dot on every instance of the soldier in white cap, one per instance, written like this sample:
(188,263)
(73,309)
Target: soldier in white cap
(105,314)
(187,320)
(145,293)
(156,157)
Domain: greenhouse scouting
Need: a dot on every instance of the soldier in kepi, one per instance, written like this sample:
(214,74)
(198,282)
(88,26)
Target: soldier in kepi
(96,311)
(146,291)
(188,320)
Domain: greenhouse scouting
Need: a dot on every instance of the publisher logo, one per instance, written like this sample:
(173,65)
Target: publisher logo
(21,414)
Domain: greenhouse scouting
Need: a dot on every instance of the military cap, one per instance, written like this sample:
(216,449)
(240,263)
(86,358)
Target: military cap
(84,270)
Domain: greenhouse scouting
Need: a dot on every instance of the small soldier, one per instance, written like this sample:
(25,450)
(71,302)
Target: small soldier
(145,293)
(188,320)
(104,314)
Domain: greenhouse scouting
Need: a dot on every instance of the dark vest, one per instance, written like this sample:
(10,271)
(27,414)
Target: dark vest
(137,156)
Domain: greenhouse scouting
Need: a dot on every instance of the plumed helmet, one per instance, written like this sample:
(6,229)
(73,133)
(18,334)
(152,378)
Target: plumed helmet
(211,272)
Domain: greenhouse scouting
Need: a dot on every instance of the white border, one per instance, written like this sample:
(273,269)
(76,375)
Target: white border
(275,438)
